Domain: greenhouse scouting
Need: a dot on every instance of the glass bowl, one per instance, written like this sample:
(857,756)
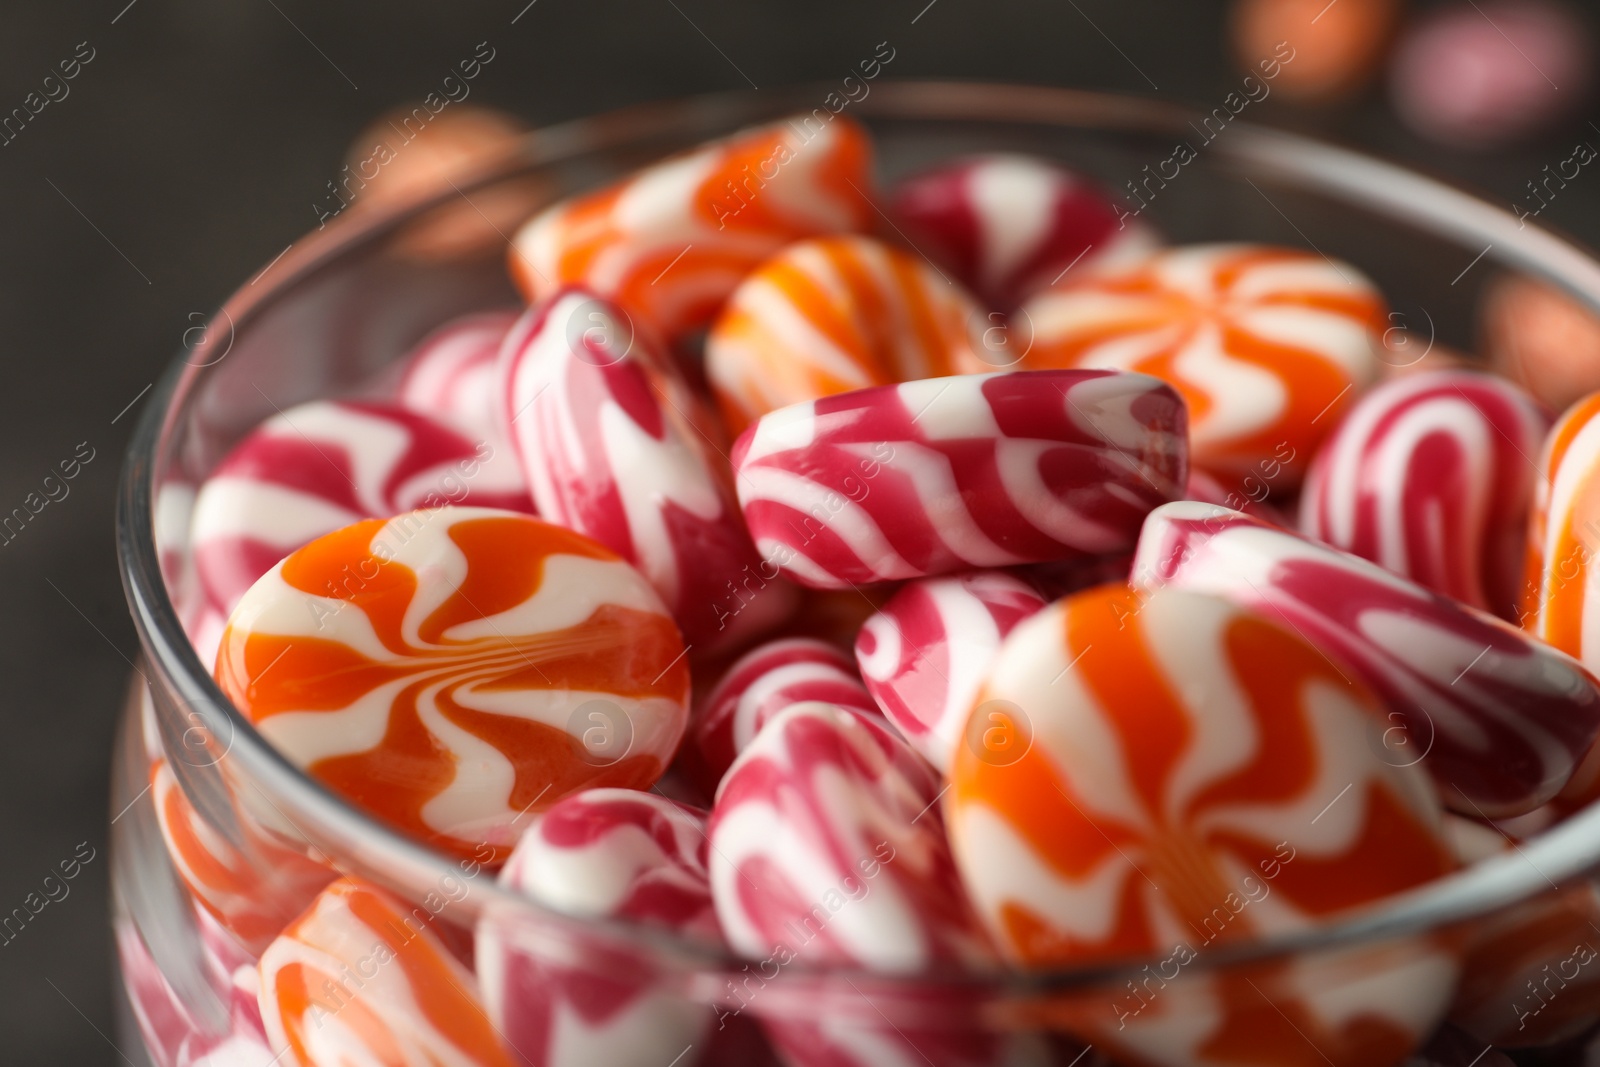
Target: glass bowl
(346,302)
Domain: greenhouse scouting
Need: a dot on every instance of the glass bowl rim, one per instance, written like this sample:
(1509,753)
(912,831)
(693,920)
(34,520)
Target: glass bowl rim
(1362,180)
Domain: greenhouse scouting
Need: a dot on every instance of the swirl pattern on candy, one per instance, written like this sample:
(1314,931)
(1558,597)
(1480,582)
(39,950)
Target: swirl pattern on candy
(836,314)
(609,440)
(1185,760)
(940,475)
(451,670)
(1007,225)
(673,240)
(603,853)
(451,373)
(822,805)
(314,468)
(924,655)
(1265,344)
(361,978)
(1500,720)
(827,847)
(1429,476)
(252,891)
(760,684)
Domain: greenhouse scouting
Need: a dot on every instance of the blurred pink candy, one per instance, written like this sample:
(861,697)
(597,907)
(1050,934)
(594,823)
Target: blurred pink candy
(1479,76)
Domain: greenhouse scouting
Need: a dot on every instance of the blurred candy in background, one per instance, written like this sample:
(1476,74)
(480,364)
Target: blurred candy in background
(413,153)
(1463,74)
(1480,76)
(1338,46)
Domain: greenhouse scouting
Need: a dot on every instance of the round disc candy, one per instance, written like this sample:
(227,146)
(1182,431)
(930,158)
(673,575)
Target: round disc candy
(362,978)
(451,670)
(1191,774)
(1265,344)
(946,474)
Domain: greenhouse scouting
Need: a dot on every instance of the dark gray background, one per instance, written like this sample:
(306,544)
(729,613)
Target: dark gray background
(190,152)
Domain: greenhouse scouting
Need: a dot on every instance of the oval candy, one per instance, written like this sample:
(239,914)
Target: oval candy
(614,446)
(451,670)
(947,474)
(828,805)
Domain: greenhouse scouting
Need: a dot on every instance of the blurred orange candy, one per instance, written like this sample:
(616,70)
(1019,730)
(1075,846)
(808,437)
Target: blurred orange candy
(1337,45)
(1542,339)
(410,160)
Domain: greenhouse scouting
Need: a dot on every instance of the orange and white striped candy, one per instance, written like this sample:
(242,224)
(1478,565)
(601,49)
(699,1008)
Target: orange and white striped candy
(452,670)
(1561,597)
(1148,771)
(672,241)
(252,887)
(362,979)
(837,314)
(1267,345)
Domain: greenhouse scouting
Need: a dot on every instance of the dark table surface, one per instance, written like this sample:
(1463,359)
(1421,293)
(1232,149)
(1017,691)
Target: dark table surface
(192,148)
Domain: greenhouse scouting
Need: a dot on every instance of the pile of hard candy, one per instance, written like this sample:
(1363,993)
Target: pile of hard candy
(908,581)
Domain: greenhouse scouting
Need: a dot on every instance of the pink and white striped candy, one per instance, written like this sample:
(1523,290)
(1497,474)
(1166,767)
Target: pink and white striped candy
(1007,225)
(825,841)
(1432,477)
(324,465)
(760,684)
(601,854)
(1501,720)
(451,374)
(361,978)
(828,847)
(614,446)
(925,654)
(174,1032)
(945,474)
